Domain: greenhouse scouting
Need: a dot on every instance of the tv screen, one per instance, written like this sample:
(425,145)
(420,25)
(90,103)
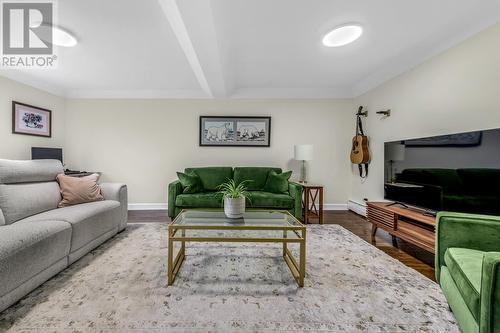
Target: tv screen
(38,153)
(455,172)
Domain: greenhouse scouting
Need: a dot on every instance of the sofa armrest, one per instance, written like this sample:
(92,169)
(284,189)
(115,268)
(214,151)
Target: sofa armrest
(489,320)
(117,192)
(477,232)
(174,189)
(296,193)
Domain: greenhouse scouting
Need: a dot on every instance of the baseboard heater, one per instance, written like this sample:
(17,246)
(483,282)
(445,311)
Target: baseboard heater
(357,207)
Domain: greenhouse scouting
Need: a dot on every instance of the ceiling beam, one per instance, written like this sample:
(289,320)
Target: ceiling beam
(174,17)
(193,25)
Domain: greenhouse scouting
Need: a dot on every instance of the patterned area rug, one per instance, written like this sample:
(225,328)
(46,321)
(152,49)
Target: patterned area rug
(121,286)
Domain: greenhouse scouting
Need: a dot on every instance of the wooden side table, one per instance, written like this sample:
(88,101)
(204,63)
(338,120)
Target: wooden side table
(312,202)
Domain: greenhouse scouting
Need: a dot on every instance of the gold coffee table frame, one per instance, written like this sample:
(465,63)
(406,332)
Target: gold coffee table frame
(177,233)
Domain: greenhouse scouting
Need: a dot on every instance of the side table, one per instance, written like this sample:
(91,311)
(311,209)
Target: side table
(312,202)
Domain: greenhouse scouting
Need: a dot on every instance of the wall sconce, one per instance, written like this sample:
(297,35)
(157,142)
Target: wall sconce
(385,113)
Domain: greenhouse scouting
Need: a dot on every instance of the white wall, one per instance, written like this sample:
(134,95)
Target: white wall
(144,142)
(17,146)
(457,91)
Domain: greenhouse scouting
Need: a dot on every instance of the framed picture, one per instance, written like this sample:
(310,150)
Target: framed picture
(235,131)
(31,120)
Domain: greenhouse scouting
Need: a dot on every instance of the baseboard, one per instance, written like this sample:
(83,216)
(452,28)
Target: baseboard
(335,206)
(357,207)
(147,206)
(164,206)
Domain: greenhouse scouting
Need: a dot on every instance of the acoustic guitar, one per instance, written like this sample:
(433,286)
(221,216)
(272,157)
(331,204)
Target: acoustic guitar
(360,153)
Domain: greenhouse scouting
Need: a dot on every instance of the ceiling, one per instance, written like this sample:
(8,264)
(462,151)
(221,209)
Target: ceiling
(248,49)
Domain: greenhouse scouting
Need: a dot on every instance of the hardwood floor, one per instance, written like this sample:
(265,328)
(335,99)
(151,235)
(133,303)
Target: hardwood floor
(410,255)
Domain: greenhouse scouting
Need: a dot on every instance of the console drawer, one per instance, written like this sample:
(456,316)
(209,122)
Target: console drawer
(379,216)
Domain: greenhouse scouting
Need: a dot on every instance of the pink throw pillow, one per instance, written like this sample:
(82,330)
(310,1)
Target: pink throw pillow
(78,190)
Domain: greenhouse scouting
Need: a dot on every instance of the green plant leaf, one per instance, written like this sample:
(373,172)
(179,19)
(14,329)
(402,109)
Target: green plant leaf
(231,190)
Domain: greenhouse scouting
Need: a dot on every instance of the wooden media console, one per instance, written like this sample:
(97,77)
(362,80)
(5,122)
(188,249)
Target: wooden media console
(408,224)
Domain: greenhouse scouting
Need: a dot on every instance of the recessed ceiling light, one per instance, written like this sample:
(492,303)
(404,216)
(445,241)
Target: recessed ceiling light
(60,37)
(343,35)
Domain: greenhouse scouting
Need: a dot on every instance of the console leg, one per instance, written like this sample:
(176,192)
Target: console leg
(374,232)
(394,241)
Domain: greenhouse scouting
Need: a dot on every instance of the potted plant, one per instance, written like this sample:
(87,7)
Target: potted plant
(234,198)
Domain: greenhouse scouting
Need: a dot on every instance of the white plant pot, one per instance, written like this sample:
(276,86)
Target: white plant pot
(234,208)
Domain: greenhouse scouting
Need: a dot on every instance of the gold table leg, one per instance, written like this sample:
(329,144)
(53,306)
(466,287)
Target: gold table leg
(285,235)
(302,259)
(175,265)
(298,269)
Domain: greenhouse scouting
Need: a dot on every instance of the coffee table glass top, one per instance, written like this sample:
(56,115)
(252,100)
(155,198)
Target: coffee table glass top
(251,219)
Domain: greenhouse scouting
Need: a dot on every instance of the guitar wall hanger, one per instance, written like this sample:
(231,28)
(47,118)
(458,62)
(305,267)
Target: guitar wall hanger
(362,113)
(385,113)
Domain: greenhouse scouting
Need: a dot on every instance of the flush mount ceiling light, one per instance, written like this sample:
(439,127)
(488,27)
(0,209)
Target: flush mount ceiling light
(63,38)
(60,37)
(343,35)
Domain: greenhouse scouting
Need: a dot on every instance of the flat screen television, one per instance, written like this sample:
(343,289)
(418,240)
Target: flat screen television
(457,172)
(39,153)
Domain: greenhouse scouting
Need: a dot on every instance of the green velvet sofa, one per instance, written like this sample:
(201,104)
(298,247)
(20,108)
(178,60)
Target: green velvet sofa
(468,269)
(212,177)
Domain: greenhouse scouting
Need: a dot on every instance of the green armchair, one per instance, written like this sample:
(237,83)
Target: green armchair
(468,269)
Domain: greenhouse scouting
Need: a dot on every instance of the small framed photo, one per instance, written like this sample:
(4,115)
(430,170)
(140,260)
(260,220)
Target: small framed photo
(31,120)
(235,131)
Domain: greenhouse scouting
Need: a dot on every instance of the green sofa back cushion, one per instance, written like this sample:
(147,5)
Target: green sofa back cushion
(257,176)
(211,177)
(277,183)
(191,182)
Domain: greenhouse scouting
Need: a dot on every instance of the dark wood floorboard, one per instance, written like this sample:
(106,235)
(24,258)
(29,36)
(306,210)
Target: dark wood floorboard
(410,255)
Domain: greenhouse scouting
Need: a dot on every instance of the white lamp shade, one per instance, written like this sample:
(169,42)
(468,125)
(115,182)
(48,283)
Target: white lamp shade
(395,152)
(303,152)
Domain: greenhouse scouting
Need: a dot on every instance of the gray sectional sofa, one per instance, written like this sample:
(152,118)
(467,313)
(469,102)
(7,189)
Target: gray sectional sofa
(37,239)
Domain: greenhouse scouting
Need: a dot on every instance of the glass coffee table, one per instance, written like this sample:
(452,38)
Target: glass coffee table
(263,226)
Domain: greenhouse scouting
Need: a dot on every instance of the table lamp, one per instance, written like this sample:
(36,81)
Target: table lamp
(303,153)
(394,152)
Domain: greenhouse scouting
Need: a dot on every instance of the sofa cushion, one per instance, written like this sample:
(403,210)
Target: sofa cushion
(89,220)
(191,182)
(258,199)
(465,266)
(211,177)
(31,171)
(78,190)
(277,183)
(27,249)
(257,176)
(199,200)
(18,201)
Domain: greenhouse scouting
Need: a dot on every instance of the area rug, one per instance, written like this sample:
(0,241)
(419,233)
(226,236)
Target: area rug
(121,286)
